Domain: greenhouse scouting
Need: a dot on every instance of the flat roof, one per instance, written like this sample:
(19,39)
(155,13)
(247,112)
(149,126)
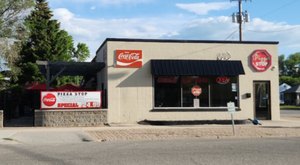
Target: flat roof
(185,41)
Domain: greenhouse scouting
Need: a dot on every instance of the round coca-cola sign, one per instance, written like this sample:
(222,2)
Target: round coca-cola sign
(260,60)
(49,99)
(196,90)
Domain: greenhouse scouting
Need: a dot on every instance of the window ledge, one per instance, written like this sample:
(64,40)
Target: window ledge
(192,109)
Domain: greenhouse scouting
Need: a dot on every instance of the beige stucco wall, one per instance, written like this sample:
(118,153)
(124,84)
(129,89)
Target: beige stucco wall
(130,90)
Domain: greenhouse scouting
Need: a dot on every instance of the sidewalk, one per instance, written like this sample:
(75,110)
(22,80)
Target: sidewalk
(286,127)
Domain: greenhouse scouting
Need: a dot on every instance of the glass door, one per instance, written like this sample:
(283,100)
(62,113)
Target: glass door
(262,100)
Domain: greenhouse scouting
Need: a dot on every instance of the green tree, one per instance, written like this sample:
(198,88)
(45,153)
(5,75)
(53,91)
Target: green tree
(46,42)
(289,69)
(81,53)
(282,66)
(289,80)
(291,63)
(12,13)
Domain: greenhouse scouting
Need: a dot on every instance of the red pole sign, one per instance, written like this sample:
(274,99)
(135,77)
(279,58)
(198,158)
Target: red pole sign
(196,90)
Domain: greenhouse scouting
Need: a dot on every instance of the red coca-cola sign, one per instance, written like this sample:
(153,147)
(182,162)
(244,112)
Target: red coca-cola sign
(196,90)
(222,80)
(129,58)
(260,60)
(49,99)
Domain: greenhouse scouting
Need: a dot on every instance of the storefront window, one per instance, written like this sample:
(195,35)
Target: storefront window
(167,91)
(187,82)
(175,91)
(223,91)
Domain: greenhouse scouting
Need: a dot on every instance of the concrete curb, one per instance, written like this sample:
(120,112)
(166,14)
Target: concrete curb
(127,132)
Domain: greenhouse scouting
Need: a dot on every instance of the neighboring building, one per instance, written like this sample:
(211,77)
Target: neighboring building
(283,87)
(292,95)
(187,80)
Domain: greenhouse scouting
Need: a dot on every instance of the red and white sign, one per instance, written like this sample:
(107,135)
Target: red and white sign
(49,99)
(196,90)
(129,59)
(167,79)
(223,80)
(260,60)
(70,99)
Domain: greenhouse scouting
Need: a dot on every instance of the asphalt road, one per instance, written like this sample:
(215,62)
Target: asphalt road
(295,113)
(290,114)
(170,152)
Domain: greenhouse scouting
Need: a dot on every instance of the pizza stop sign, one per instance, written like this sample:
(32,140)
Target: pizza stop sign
(260,60)
(196,90)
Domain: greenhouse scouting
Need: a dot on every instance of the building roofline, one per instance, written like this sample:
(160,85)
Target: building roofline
(184,41)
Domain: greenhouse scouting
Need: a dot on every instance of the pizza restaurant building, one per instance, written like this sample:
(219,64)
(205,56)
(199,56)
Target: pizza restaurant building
(187,80)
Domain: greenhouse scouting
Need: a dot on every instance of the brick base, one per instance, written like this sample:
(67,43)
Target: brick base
(70,118)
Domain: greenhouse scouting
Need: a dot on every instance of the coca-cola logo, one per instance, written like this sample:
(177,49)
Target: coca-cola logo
(126,56)
(261,60)
(129,58)
(222,80)
(49,99)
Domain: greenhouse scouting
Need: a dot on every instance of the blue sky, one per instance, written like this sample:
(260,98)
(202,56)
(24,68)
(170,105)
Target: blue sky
(91,21)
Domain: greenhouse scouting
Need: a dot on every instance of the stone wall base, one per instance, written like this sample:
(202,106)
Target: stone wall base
(70,118)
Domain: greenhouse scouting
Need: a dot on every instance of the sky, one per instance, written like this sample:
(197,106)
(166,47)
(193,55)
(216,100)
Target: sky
(92,21)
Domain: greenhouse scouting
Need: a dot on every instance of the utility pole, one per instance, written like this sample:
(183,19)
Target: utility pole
(240,17)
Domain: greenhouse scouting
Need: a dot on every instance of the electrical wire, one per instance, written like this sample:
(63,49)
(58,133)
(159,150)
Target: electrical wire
(274,31)
(230,35)
(279,8)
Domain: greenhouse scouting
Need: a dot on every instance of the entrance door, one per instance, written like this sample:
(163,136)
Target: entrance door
(262,100)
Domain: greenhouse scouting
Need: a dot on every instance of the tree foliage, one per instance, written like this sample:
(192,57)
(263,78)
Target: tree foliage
(12,13)
(289,69)
(46,42)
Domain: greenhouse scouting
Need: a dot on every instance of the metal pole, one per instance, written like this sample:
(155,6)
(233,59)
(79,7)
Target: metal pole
(47,76)
(232,123)
(240,19)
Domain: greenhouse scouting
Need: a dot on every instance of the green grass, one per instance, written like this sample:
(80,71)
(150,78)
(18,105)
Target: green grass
(289,107)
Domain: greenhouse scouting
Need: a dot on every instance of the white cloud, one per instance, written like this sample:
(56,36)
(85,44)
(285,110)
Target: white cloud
(93,7)
(94,31)
(62,14)
(287,35)
(204,8)
(123,2)
(101,2)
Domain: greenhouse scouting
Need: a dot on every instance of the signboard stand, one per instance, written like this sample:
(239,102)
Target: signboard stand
(196,102)
(231,109)
(232,123)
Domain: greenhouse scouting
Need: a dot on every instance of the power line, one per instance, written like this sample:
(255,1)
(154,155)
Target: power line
(230,35)
(274,31)
(279,8)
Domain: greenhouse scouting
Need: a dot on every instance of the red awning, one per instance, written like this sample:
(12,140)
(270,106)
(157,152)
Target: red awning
(42,87)
(35,86)
(68,87)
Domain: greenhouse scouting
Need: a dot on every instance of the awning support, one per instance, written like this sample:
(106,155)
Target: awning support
(51,70)
(57,74)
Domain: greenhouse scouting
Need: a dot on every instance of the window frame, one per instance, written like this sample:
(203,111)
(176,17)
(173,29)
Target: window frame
(207,108)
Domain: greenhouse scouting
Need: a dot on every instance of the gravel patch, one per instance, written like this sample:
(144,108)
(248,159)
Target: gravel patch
(165,133)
